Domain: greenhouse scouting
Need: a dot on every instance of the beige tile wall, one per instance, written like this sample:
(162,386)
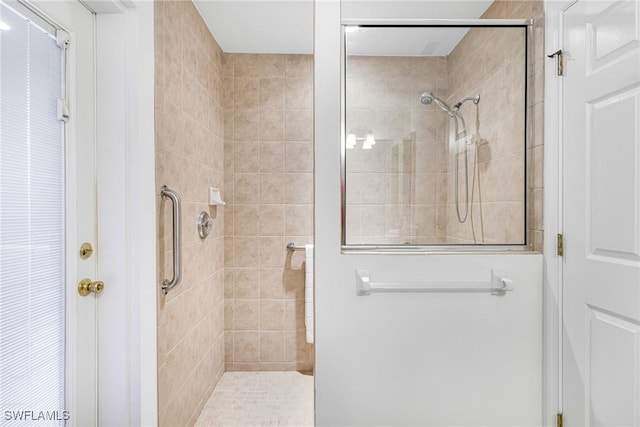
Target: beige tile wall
(487,62)
(393,189)
(189,158)
(268,188)
(535,149)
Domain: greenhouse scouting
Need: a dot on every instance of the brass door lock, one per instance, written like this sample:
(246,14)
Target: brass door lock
(85,250)
(86,286)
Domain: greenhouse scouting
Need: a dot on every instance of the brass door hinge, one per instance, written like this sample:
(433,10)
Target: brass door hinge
(559,61)
(560,245)
(559,420)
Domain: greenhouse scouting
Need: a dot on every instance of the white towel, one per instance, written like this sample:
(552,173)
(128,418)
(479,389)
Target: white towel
(308,292)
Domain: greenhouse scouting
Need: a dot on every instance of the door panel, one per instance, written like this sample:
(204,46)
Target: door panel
(612,216)
(82,378)
(612,357)
(601,214)
(49,206)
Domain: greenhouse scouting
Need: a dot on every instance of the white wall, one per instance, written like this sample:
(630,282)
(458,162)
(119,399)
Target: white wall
(413,359)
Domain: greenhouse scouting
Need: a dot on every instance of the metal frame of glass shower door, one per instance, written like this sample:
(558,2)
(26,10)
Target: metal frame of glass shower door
(471,23)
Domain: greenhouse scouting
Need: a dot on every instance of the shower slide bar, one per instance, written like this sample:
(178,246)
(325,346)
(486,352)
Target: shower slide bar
(167,284)
(498,285)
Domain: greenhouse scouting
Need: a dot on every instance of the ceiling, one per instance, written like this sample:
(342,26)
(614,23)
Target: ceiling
(286,26)
(396,41)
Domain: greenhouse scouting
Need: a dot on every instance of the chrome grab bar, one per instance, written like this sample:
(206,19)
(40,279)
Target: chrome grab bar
(167,284)
(498,285)
(293,247)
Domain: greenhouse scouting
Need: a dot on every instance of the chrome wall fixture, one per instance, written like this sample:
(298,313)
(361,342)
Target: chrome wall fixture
(292,247)
(456,115)
(167,284)
(205,225)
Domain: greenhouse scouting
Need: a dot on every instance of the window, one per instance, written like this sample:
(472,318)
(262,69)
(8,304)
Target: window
(32,219)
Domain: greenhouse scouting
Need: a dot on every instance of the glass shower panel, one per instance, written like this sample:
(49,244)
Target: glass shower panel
(434,143)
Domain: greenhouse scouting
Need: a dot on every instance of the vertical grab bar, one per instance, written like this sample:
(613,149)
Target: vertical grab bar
(167,284)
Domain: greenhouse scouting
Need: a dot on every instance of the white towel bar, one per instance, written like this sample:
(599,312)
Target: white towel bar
(499,284)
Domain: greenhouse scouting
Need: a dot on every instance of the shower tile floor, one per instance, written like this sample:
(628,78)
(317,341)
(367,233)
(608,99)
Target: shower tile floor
(260,399)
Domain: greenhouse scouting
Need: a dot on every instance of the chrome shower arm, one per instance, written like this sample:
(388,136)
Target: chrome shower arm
(475,100)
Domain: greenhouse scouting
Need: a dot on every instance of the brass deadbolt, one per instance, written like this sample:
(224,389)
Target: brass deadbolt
(86,250)
(86,286)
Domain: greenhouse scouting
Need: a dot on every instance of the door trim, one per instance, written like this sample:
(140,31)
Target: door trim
(552,218)
(552,215)
(552,296)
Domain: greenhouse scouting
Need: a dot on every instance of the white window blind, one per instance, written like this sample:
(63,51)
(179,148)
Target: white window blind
(32,225)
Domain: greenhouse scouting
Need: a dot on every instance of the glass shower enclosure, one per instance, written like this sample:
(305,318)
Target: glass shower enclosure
(434,135)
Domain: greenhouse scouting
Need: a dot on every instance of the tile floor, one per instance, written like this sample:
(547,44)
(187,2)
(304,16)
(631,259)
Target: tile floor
(260,399)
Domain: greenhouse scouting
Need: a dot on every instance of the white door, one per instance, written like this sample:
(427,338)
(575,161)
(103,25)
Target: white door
(60,36)
(601,214)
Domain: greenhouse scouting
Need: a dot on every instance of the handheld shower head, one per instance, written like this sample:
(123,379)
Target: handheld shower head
(427,98)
